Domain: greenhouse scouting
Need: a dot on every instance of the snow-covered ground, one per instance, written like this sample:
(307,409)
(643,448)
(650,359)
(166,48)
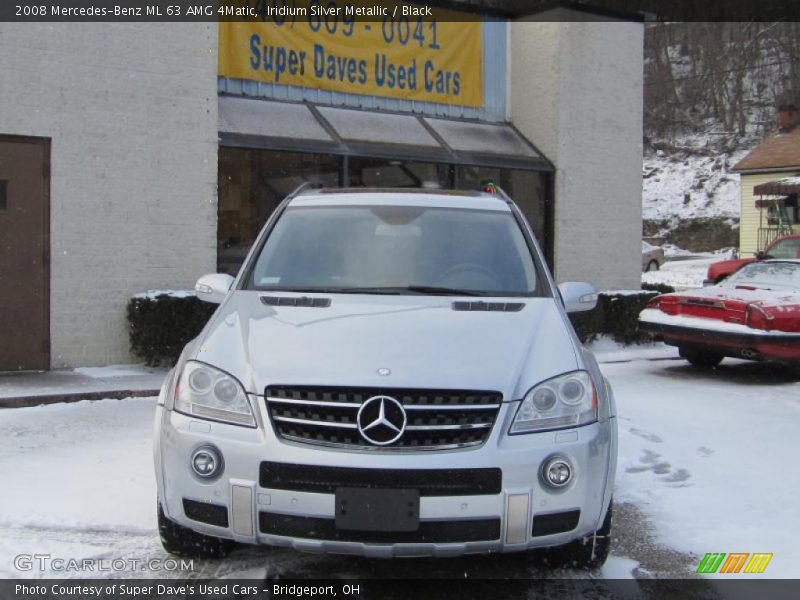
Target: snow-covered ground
(683,274)
(125,378)
(707,456)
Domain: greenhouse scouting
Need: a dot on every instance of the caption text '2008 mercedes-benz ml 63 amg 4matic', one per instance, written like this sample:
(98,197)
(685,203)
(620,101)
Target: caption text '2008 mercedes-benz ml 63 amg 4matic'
(392,373)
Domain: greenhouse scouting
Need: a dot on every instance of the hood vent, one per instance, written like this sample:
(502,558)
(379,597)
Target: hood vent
(488,306)
(299,301)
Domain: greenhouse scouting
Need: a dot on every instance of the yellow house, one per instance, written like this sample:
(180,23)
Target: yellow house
(770,183)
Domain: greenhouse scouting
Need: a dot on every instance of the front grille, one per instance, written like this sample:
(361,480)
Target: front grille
(435,419)
(429,482)
(431,532)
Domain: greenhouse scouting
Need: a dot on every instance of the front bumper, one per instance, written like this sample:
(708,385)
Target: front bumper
(501,520)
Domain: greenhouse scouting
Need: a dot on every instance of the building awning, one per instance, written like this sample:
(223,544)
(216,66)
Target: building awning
(780,187)
(304,127)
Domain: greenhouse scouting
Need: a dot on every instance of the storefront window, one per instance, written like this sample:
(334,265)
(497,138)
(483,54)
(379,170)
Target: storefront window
(378,172)
(251,185)
(526,188)
(253,182)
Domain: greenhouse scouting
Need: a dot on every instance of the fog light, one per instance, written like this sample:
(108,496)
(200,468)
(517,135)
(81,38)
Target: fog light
(207,462)
(557,472)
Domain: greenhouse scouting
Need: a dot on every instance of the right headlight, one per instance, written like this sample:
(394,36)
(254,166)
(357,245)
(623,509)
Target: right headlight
(209,393)
(565,401)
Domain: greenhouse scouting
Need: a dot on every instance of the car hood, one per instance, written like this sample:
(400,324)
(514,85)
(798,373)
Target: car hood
(420,339)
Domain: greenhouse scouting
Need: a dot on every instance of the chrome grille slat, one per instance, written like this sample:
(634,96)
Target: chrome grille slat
(436,419)
(315,402)
(442,407)
(317,423)
(302,440)
(446,427)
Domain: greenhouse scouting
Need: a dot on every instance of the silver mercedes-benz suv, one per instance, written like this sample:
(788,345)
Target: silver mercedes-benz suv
(392,373)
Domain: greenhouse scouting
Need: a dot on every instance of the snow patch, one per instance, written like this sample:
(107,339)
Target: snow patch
(83,465)
(153,294)
(607,350)
(692,447)
(114,371)
(653,315)
(688,186)
(619,567)
(681,274)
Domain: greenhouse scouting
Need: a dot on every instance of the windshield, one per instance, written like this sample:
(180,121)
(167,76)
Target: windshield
(788,248)
(396,249)
(766,275)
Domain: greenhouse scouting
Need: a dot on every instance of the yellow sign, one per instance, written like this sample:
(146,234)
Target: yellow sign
(413,57)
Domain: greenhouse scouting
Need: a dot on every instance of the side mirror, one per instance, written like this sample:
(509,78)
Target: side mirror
(214,287)
(761,255)
(578,296)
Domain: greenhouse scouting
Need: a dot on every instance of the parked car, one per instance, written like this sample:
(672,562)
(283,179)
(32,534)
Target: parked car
(392,373)
(652,257)
(753,314)
(787,246)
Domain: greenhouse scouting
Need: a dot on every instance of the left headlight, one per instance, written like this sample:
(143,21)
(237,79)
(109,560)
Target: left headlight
(565,401)
(209,393)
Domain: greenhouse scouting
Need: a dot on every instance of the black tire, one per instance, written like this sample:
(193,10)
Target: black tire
(652,266)
(588,553)
(705,359)
(182,541)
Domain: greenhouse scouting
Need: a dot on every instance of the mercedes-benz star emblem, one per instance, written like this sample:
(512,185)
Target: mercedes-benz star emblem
(381,420)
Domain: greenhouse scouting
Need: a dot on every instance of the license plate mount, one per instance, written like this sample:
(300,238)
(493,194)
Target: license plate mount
(368,509)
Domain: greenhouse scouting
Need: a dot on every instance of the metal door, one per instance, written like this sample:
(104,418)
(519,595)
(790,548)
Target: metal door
(24,254)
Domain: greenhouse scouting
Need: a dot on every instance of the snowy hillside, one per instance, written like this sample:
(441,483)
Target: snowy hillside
(679,185)
(711,95)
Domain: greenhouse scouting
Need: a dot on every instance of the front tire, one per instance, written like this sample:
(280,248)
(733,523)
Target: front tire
(182,541)
(705,359)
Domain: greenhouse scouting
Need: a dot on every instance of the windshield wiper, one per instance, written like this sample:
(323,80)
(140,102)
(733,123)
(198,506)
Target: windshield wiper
(442,291)
(414,289)
(390,290)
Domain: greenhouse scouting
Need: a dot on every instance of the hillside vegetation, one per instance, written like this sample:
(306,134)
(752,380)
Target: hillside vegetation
(711,93)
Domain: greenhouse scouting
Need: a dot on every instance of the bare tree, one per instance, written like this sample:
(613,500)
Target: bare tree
(722,76)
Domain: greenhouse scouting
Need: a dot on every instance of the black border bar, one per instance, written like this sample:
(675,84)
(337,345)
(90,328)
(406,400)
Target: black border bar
(587,586)
(468,10)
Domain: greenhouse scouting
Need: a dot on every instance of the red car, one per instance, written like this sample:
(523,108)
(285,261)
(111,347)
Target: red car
(753,314)
(787,246)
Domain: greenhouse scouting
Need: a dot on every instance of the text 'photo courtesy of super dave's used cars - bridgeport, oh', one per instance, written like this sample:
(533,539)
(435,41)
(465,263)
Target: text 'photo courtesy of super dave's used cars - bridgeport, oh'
(392,373)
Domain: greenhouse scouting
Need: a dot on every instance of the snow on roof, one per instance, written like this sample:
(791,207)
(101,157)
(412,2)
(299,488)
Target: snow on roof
(780,187)
(789,180)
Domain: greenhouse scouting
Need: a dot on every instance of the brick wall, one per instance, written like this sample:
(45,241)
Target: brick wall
(132,113)
(576,91)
